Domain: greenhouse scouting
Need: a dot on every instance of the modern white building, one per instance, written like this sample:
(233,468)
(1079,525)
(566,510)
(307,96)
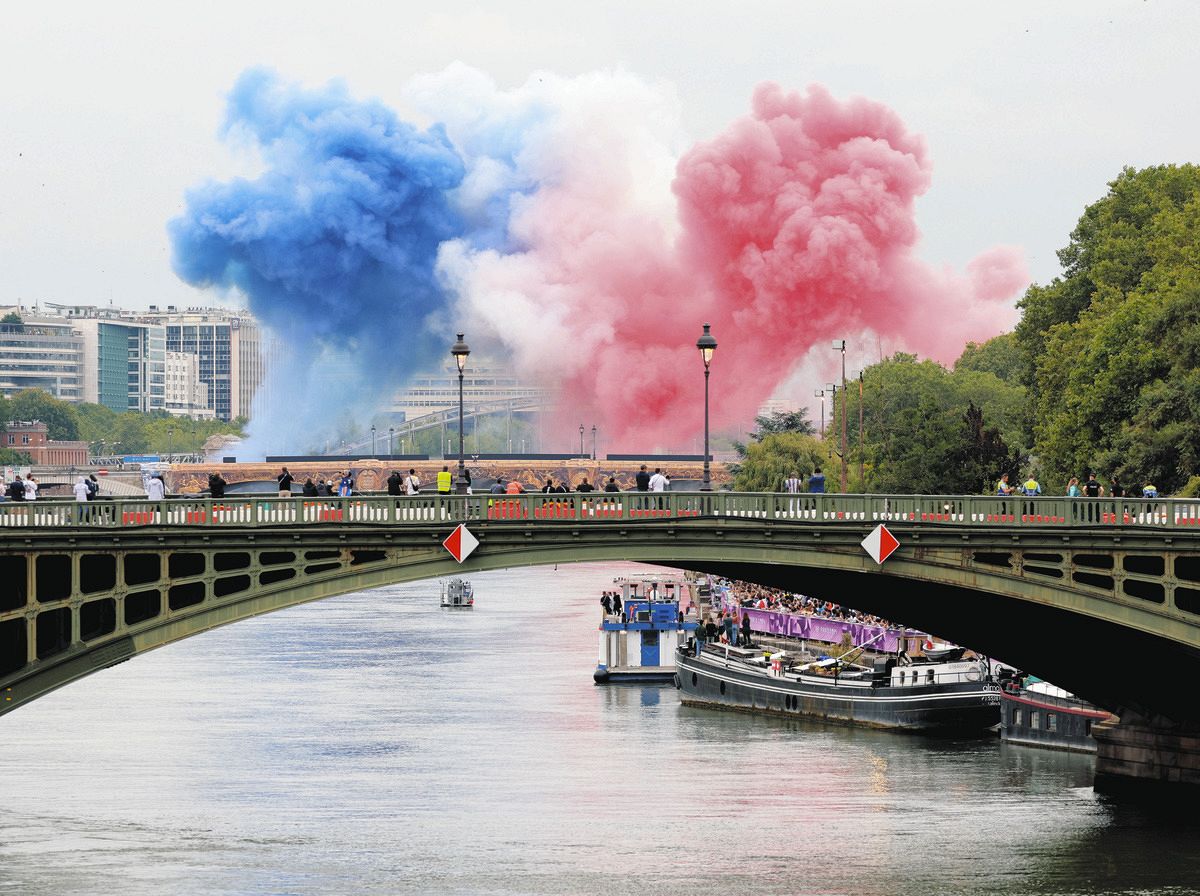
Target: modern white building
(186,393)
(40,352)
(485,386)
(228,346)
(123,361)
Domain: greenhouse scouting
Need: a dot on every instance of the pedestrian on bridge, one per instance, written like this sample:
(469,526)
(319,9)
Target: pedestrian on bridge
(155,489)
(793,485)
(1073,490)
(643,480)
(443,481)
(285,483)
(1092,488)
(395,483)
(346,486)
(1032,488)
(816,482)
(412,482)
(1004,487)
(1116,489)
(216,485)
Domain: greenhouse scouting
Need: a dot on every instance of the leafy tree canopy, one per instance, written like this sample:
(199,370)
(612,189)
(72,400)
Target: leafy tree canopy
(771,460)
(1111,350)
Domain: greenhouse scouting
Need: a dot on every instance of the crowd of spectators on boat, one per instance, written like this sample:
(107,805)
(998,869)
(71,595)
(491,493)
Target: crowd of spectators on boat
(759,597)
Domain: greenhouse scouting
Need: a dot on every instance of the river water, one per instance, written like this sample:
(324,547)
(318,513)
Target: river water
(375,743)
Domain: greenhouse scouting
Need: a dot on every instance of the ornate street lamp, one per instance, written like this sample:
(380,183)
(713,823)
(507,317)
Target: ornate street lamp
(391,440)
(581,440)
(460,351)
(372,440)
(839,345)
(707,345)
(593,441)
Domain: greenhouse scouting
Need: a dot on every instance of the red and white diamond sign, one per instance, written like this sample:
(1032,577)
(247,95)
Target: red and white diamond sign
(460,543)
(880,543)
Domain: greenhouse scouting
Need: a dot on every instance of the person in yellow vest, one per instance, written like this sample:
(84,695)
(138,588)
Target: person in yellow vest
(443,481)
(1031,487)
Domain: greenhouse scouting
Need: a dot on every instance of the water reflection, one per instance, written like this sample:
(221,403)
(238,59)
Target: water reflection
(377,742)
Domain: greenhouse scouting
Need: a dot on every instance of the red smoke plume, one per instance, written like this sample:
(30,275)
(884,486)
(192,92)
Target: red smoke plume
(797,227)
(793,227)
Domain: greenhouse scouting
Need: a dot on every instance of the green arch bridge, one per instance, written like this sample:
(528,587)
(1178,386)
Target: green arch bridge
(1100,596)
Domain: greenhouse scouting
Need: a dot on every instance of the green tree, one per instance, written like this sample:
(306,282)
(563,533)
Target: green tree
(773,424)
(12,318)
(772,460)
(923,427)
(36,404)
(1112,346)
(999,356)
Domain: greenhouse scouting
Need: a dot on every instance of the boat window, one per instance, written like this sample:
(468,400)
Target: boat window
(722,687)
(1033,720)
(929,677)
(1017,717)
(1087,727)
(694,679)
(1051,722)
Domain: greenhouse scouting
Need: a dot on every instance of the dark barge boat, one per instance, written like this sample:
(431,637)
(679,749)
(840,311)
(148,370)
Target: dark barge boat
(950,695)
(1038,714)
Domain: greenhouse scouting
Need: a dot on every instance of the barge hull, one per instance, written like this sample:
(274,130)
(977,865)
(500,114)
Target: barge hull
(963,707)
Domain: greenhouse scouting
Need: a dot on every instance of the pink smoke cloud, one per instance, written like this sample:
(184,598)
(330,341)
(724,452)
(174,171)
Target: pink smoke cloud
(793,227)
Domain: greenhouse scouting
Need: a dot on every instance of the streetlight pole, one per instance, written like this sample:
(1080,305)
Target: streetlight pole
(862,479)
(581,440)
(460,351)
(832,389)
(372,440)
(593,441)
(839,345)
(391,440)
(820,393)
(708,346)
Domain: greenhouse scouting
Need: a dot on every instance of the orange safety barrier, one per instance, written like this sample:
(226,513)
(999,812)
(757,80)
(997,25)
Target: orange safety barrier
(507,510)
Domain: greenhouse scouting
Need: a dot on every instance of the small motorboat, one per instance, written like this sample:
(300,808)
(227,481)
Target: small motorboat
(458,594)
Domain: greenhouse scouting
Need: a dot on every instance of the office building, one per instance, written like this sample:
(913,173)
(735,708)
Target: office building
(40,353)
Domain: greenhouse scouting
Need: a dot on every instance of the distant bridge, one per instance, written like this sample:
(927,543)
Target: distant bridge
(1101,596)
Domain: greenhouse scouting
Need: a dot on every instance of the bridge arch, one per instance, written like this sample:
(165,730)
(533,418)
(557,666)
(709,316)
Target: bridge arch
(89,596)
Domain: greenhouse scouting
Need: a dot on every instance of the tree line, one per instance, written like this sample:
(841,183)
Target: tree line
(108,432)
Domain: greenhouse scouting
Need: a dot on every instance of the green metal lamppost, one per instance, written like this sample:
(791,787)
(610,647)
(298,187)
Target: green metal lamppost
(707,345)
(460,351)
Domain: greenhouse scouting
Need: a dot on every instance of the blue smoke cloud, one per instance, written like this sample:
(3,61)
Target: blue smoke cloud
(334,247)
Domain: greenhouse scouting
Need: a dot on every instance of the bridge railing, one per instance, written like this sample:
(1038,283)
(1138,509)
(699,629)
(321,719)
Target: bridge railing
(576,507)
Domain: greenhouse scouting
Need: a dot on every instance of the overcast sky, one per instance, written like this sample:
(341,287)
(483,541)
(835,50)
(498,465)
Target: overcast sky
(1028,108)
